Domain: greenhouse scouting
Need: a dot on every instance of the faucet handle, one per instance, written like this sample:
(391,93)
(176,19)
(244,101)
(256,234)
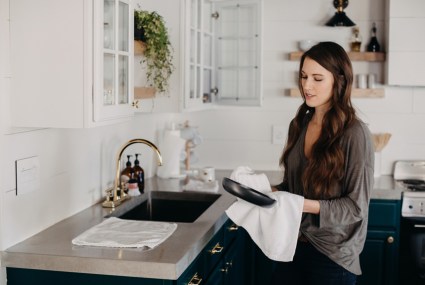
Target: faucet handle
(109,194)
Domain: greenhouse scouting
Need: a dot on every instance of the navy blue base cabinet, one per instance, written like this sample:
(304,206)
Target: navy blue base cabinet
(379,259)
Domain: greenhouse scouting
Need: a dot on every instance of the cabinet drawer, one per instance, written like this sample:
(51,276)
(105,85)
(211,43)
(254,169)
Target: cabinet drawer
(205,262)
(231,231)
(213,252)
(384,213)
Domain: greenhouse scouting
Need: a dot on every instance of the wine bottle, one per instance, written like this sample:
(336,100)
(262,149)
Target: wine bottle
(373,45)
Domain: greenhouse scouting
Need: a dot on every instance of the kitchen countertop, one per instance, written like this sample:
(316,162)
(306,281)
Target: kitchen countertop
(52,249)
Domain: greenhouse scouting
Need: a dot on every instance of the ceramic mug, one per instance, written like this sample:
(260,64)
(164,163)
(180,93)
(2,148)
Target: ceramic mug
(207,174)
(362,81)
(371,80)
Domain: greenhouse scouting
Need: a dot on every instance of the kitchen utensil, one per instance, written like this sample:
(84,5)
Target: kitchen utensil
(246,193)
(380,141)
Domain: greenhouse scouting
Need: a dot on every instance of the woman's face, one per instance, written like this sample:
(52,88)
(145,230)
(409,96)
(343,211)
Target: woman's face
(317,83)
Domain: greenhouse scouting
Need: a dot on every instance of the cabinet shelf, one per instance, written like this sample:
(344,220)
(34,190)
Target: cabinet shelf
(238,38)
(354,56)
(233,67)
(356,93)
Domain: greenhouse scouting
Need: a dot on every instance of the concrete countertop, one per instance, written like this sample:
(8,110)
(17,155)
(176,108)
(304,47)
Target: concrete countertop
(52,249)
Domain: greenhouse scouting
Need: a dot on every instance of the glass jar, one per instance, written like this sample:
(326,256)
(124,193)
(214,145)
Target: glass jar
(356,40)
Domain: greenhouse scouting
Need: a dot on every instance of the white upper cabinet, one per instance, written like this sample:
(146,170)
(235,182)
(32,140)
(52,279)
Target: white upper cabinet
(238,53)
(406,43)
(199,57)
(223,53)
(72,62)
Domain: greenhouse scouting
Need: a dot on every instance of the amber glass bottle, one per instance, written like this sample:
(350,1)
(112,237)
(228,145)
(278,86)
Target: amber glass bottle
(139,174)
(126,173)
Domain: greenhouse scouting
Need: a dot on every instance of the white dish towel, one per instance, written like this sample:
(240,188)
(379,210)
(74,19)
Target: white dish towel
(274,229)
(115,232)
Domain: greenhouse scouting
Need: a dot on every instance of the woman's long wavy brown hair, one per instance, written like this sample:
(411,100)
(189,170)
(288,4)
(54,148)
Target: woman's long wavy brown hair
(325,167)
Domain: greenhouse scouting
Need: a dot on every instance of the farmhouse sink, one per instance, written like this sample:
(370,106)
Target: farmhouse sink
(180,207)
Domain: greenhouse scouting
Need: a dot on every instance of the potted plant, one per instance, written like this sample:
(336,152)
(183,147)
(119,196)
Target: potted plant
(150,28)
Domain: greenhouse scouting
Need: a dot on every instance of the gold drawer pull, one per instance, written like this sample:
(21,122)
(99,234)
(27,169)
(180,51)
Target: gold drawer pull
(216,249)
(228,267)
(196,280)
(233,228)
(390,239)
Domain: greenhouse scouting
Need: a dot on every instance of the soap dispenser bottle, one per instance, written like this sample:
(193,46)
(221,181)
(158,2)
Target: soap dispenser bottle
(126,173)
(139,174)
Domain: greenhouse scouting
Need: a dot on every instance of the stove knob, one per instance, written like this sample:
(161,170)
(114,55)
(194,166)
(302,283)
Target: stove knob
(390,239)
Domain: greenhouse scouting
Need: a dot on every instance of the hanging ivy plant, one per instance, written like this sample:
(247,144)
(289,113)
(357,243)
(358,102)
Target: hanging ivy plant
(150,28)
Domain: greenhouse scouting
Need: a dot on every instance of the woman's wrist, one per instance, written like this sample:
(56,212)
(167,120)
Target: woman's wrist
(311,206)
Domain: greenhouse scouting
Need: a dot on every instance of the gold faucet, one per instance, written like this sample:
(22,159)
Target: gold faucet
(113,198)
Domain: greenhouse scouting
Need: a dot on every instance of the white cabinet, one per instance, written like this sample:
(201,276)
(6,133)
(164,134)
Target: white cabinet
(199,57)
(238,52)
(71,62)
(406,43)
(223,53)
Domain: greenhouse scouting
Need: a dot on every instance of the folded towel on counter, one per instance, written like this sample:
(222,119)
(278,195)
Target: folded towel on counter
(198,185)
(115,232)
(275,228)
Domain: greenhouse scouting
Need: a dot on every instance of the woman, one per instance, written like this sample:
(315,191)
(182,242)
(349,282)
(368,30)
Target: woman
(328,159)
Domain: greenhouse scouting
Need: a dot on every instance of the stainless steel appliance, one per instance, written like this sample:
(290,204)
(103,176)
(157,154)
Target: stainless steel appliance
(411,176)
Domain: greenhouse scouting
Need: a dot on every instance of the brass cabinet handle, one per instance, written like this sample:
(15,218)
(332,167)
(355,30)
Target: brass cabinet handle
(196,280)
(135,104)
(216,249)
(233,228)
(390,239)
(228,267)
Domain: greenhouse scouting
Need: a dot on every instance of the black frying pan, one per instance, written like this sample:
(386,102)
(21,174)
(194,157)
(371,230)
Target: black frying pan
(246,193)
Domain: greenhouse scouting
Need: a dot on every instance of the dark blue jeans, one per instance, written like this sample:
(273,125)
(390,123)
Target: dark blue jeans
(311,267)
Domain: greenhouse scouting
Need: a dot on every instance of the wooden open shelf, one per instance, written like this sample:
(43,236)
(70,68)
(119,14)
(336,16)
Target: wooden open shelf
(144,92)
(356,93)
(354,56)
(139,47)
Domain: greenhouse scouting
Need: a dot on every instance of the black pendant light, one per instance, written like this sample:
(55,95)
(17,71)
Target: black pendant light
(340,19)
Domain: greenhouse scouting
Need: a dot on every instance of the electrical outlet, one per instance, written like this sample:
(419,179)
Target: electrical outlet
(279,134)
(27,175)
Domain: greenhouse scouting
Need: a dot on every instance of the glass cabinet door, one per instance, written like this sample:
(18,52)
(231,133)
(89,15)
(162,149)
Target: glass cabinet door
(200,66)
(239,52)
(114,66)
